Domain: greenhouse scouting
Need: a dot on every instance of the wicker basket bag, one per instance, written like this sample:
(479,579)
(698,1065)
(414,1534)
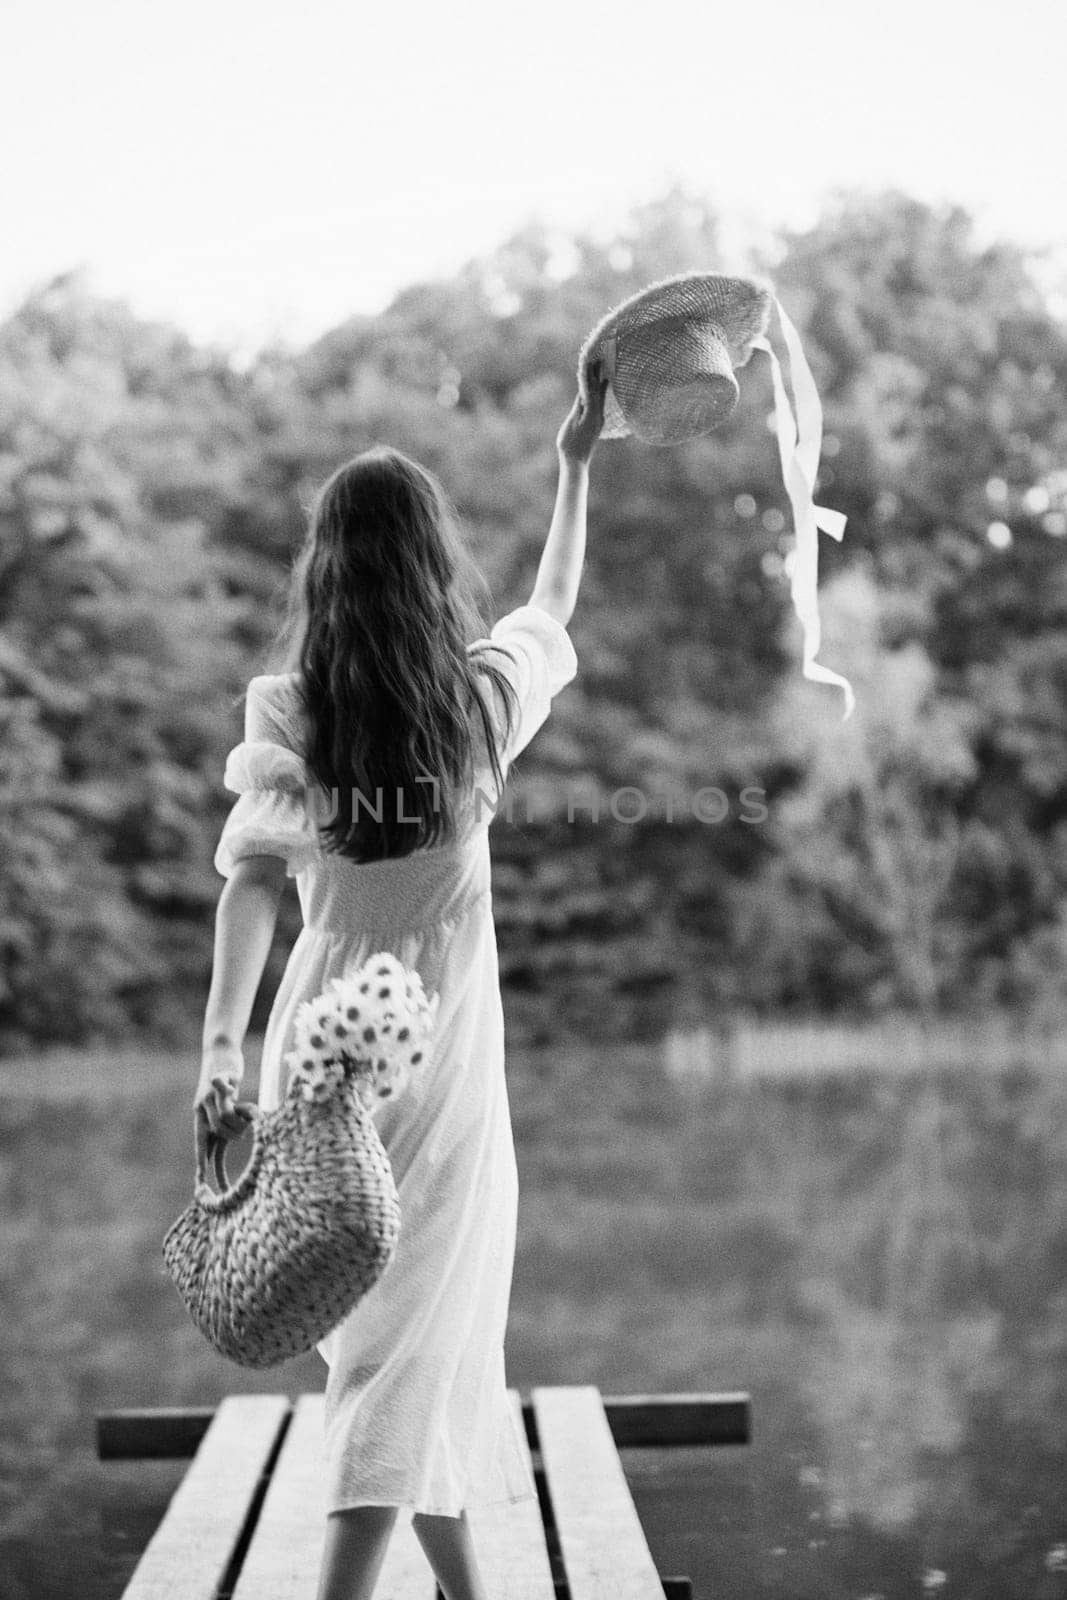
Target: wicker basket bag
(273,1262)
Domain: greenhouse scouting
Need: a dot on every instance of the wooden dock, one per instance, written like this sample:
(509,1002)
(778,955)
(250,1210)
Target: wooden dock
(247,1522)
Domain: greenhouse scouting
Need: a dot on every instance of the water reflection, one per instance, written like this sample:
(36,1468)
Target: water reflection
(878,1256)
(876,1253)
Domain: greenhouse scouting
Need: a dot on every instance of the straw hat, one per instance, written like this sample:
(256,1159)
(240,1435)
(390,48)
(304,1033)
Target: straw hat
(670,352)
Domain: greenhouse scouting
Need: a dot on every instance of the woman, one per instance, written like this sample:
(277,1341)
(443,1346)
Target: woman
(369,772)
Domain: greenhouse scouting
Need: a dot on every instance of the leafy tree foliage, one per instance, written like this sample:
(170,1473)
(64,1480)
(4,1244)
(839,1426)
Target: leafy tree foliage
(152,494)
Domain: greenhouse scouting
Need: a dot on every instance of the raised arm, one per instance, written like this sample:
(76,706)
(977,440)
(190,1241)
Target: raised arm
(560,569)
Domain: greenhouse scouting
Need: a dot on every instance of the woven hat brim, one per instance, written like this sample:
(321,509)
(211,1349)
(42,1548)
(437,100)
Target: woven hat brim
(737,308)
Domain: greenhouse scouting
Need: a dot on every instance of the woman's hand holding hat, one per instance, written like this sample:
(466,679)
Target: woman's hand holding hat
(577,438)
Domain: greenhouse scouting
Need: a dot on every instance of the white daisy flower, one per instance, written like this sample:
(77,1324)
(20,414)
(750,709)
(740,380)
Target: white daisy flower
(321,1082)
(317,1079)
(387,968)
(316,1028)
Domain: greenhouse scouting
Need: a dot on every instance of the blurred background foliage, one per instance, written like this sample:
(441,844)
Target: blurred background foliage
(152,493)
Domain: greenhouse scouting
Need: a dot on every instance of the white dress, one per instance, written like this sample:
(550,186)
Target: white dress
(416,1409)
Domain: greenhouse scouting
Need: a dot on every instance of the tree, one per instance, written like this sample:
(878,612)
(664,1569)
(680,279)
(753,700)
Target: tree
(869,840)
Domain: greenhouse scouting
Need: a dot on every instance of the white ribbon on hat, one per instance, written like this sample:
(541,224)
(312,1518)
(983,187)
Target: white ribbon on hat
(799,444)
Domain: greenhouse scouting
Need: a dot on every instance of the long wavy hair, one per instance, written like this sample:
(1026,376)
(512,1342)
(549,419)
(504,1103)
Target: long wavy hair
(381,609)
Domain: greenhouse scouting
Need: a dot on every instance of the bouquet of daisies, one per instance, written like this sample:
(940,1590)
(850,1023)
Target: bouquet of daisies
(374,1024)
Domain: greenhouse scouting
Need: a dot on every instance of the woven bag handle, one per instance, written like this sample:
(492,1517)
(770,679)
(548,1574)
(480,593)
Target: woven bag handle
(211,1146)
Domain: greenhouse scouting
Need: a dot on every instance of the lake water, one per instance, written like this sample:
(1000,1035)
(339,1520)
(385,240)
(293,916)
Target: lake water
(878,1256)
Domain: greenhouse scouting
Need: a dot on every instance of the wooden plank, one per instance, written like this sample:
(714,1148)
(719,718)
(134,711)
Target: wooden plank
(285,1554)
(679,1419)
(509,1540)
(645,1419)
(673,1589)
(605,1553)
(151,1433)
(190,1552)
(671,1419)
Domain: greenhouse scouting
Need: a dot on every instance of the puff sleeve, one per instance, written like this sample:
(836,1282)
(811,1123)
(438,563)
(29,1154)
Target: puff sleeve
(536,654)
(271,816)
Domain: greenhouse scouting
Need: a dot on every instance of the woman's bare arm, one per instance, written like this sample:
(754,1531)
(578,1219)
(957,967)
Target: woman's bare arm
(560,571)
(245,920)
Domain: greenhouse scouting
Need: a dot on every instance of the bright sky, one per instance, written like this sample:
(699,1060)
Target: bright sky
(254,169)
